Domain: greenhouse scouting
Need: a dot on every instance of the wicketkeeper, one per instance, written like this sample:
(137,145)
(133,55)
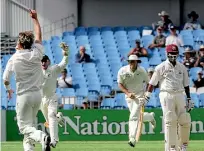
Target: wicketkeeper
(174,80)
(50,100)
(131,81)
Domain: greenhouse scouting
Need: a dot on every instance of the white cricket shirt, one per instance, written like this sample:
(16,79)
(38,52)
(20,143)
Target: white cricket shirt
(133,81)
(26,65)
(50,77)
(171,79)
(62,84)
(174,40)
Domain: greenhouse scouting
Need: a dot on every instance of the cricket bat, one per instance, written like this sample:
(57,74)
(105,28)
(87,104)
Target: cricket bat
(140,124)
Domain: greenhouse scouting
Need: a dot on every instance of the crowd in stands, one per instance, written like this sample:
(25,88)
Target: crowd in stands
(151,51)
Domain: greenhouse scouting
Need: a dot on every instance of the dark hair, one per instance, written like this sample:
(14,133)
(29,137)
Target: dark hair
(64,70)
(26,39)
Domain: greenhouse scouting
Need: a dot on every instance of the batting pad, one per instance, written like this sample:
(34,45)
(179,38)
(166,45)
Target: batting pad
(184,121)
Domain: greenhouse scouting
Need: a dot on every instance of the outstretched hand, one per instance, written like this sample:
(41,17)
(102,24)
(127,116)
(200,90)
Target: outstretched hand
(65,48)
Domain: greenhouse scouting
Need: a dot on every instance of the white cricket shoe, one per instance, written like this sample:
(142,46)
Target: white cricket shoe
(53,144)
(60,119)
(46,143)
(183,148)
(132,142)
(172,149)
(153,122)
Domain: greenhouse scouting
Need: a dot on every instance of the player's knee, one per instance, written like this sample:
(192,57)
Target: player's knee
(184,119)
(171,119)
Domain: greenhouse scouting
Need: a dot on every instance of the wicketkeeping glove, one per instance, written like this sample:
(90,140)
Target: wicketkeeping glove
(64,47)
(190,105)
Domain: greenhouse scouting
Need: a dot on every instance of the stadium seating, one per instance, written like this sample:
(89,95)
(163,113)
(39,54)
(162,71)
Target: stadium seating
(108,47)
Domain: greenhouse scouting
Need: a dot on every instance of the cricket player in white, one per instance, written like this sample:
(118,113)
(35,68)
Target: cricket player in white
(50,99)
(131,81)
(26,65)
(173,79)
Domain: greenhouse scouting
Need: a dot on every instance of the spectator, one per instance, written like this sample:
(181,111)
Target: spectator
(81,56)
(200,59)
(159,40)
(64,81)
(165,21)
(189,59)
(193,23)
(173,37)
(138,50)
(200,81)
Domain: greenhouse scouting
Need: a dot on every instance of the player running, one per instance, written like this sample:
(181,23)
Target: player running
(131,81)
(50,99)
(173,79)
(26,65)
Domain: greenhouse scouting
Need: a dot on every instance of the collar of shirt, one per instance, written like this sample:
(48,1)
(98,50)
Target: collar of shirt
(23,50)
(136,71)
(170,64)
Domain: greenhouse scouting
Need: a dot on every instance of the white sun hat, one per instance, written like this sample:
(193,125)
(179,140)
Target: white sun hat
(163,13)
(134,57)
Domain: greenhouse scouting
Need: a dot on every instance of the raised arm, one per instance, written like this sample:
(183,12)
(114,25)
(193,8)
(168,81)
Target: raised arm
(37,28)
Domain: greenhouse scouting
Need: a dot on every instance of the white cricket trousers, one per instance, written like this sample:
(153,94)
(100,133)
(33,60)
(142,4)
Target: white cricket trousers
(49,109)
(174,109)
(134,108)
(27,106)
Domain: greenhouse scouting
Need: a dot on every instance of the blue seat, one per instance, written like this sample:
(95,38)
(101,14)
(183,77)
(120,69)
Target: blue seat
(67,33)
(201,98)
(68,92)
(196,100)
(133,35)
(68,106)
(188,41)
(107,103)
(82,92)
(118,28)
(92,29)
(193,72)
(120,101)
(144,65)
(106,81)
(115,66)
(106,28)
(120,34)
(147,40)
(154,61)
(143,59)
(94,85)
(186,32)
(69,39)
(152,101)
(130,28)
(198,33)
(105,90)
(53,38)
(80,29)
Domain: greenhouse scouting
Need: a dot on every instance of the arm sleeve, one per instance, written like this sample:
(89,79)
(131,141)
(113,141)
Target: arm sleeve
(167,41)
(59,67)
(119,77)
(8,71)
(185,77)
(155,78)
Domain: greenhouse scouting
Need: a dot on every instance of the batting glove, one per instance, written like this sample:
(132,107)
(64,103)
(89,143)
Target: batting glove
(142,101)
(190,105)
(147,96)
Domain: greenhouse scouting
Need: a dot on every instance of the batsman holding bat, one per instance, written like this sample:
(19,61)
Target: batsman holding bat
(173,79)
(50,100)
(131,81)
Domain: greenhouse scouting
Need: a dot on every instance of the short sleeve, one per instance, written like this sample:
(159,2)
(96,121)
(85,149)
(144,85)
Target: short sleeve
(185,77)
(155,77)
(119,77)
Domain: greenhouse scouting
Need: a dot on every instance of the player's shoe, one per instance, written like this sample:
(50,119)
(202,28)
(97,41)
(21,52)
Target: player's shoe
(132,142)
(46,143)
(60,119)
(153,122)
(53,144)
(172,149)
(183,148)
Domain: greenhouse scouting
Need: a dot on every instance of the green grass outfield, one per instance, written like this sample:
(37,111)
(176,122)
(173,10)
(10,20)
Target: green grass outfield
(103,146)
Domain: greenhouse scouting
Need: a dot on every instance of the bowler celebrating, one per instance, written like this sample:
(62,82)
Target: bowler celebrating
(26,64)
